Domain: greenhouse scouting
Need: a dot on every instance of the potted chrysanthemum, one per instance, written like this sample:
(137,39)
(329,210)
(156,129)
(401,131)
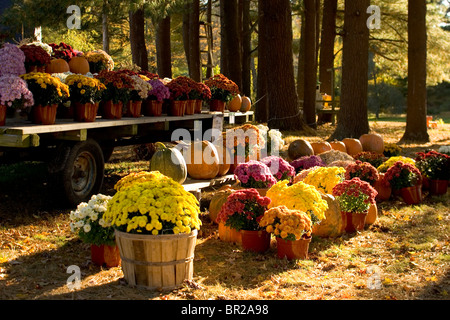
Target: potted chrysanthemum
(435,167)
(307,162)
(156,223)
(325,178)
(88,223)
(254,174)
(14,94)
(12,60)
(222,91)
(152,106)
(355,198)
(406,180)
(280,168)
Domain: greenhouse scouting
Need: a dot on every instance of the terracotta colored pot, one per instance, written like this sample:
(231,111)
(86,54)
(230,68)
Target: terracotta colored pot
(104,254)
(355,222)
(412,195)
(438,187)
(297,249)
(217,105)
(34,68)
(198,106)
(111,110)
(177,108)
(85,112)
(257,241)
(228,234)
(134,109)
(2,115)
(384,193)
(190,107)
(152,108)
(44,114)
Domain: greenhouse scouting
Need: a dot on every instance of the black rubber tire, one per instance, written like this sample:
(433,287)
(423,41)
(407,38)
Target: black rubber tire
(82,173)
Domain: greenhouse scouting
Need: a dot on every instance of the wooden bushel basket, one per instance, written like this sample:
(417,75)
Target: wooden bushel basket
(159,262)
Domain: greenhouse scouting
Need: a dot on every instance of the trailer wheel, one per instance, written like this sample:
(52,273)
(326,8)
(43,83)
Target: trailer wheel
(83,171)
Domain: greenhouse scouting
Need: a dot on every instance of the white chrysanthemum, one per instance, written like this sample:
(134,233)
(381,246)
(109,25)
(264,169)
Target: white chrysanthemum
(87,228)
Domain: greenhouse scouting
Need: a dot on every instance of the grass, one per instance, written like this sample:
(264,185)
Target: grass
(404,255)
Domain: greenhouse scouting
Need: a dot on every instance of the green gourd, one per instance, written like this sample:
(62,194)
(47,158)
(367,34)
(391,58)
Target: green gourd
(170,162)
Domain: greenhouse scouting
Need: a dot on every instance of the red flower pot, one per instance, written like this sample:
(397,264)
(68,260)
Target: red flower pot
(355,221)
(44,114)
(2,115)
(177,108)
(134,109)
(412,195)
(190,107)
(111,110)
(384,193)
(257,241)
(297,249)
(85,112)
(104,254)
(438,187)
(152,108)
(217,105)
(198,106)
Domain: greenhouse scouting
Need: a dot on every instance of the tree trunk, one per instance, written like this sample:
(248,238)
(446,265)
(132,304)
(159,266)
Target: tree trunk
(163,48)
(262,101)
(352,118)
(284,113)
(246,48)
(137,39)
(326,60)
(105,27)
(232,45)
(185,33)
(310,82)
(195,71)
(223,40)
(209,67)
(416,123)
(301,62)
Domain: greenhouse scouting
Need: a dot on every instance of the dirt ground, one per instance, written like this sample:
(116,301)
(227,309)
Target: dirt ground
(405,255)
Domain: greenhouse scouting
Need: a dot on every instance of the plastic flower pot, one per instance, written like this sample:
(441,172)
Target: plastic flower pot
(177,108)
(105,255)
(111,110)
(45,115)
(257,241)
(438,187)
(384,193)
(198,106)
(412,195)
(217,105)
(134,109)
(85,112)
(293,250)
(152,108)
(190,107)
(355,222)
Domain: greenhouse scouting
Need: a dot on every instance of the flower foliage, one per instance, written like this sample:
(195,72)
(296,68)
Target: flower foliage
(35,55)
(151,203)
(118,85)
(299,196)
(243,141)
(307,162)
(12,60)
(374,158)
(84,89)
(286,224)
(254,174)
(271,139)
(141,88)
(14,92)
(180,88)
(363,170)
(391,150)
(388,163)
(243,210)
(159,91)
(99,60)
(355,195)
(44,46)
(222,88)
(280,168)
(62,51)
(87,221)
(433,165)
(47,90)
(325,178)
(402,175)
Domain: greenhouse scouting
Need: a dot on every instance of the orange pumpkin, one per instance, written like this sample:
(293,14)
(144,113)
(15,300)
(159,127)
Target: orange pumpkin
(79,65)
(321,147)
(384,193)
(300,148)
(57,66)
(224,159)
(338,145)
(353,146)
(218,200)
(235,104)
(333,225)
(372,215)
(202,160)
(372,142)
(246,104)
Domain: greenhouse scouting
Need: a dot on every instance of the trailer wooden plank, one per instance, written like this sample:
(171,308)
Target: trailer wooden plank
(19,141)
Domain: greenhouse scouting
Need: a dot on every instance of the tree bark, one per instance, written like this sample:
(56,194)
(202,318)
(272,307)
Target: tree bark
(209,67)
(284,113)
(262,101)
(232,45)
(310,82)
(195,71)
(137,39)
(301,62)
(246,48)
(352,117)
(223,39)
(163,48)
(105,26)
(416,123)
(326,61)
(185,33)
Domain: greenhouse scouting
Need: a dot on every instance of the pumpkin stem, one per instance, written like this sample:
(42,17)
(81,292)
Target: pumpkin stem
(160,146)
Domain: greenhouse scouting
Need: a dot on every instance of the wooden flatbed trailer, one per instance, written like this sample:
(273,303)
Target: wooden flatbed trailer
(76,152)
